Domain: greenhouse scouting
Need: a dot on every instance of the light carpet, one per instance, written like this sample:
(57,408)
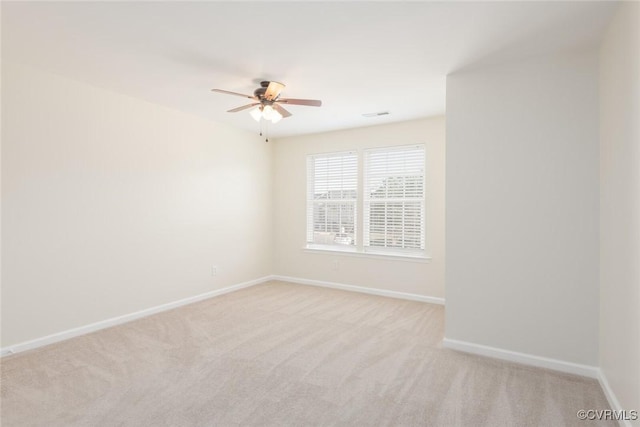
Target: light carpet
(280,354)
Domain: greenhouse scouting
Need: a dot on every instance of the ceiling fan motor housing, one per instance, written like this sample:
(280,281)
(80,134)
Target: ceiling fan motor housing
(259,93)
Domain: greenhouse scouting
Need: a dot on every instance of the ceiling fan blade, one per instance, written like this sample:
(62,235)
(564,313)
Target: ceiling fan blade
(281,110)
(244,107)
(273,91)
(234,93)
(309,102)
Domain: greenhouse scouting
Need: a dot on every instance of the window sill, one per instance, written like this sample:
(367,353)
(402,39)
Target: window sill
(360,254)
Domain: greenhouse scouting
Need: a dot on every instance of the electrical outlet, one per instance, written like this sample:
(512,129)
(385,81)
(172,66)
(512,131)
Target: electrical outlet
(214,271)
(336,265)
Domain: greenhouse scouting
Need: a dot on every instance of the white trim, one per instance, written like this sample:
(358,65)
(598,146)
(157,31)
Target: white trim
(360,289)
(611,397)
(313,249)
(522,358)
(82,330)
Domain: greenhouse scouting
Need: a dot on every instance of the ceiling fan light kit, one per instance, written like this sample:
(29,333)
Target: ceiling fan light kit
(266,112)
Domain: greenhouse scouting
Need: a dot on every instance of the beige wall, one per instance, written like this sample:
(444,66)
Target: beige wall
(620,205)
(422,278)
(111,205)
(522,207)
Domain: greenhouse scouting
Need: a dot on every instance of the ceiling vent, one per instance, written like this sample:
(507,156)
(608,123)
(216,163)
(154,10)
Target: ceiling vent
(380,113)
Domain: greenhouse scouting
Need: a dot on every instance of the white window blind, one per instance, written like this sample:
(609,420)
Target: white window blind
(394,199)
(332,191)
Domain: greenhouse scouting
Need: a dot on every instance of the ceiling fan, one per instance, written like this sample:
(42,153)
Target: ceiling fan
(267,103)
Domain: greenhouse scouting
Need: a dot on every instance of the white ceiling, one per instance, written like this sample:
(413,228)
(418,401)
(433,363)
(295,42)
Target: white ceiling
(357,57)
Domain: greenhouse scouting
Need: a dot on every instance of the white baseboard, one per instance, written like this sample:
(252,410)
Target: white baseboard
(611,397)
(522,358)
(82,330)
(361,289)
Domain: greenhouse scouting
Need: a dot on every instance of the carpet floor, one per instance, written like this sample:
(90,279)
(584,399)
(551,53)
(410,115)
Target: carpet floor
(280,354)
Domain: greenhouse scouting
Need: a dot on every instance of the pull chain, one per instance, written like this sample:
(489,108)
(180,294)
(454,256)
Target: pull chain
(266,129)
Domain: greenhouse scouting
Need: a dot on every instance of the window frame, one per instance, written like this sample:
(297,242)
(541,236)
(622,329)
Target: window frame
(358,249)
(367,200)
(311,201)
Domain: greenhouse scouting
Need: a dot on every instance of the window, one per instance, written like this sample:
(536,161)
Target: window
(394,202)
(332,192)
(392,199)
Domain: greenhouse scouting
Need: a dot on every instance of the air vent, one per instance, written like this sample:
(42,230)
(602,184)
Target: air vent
(380,113)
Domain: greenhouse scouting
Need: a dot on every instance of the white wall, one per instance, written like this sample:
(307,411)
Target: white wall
(112,205)
(620,205)
(420,278)
(522,207)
